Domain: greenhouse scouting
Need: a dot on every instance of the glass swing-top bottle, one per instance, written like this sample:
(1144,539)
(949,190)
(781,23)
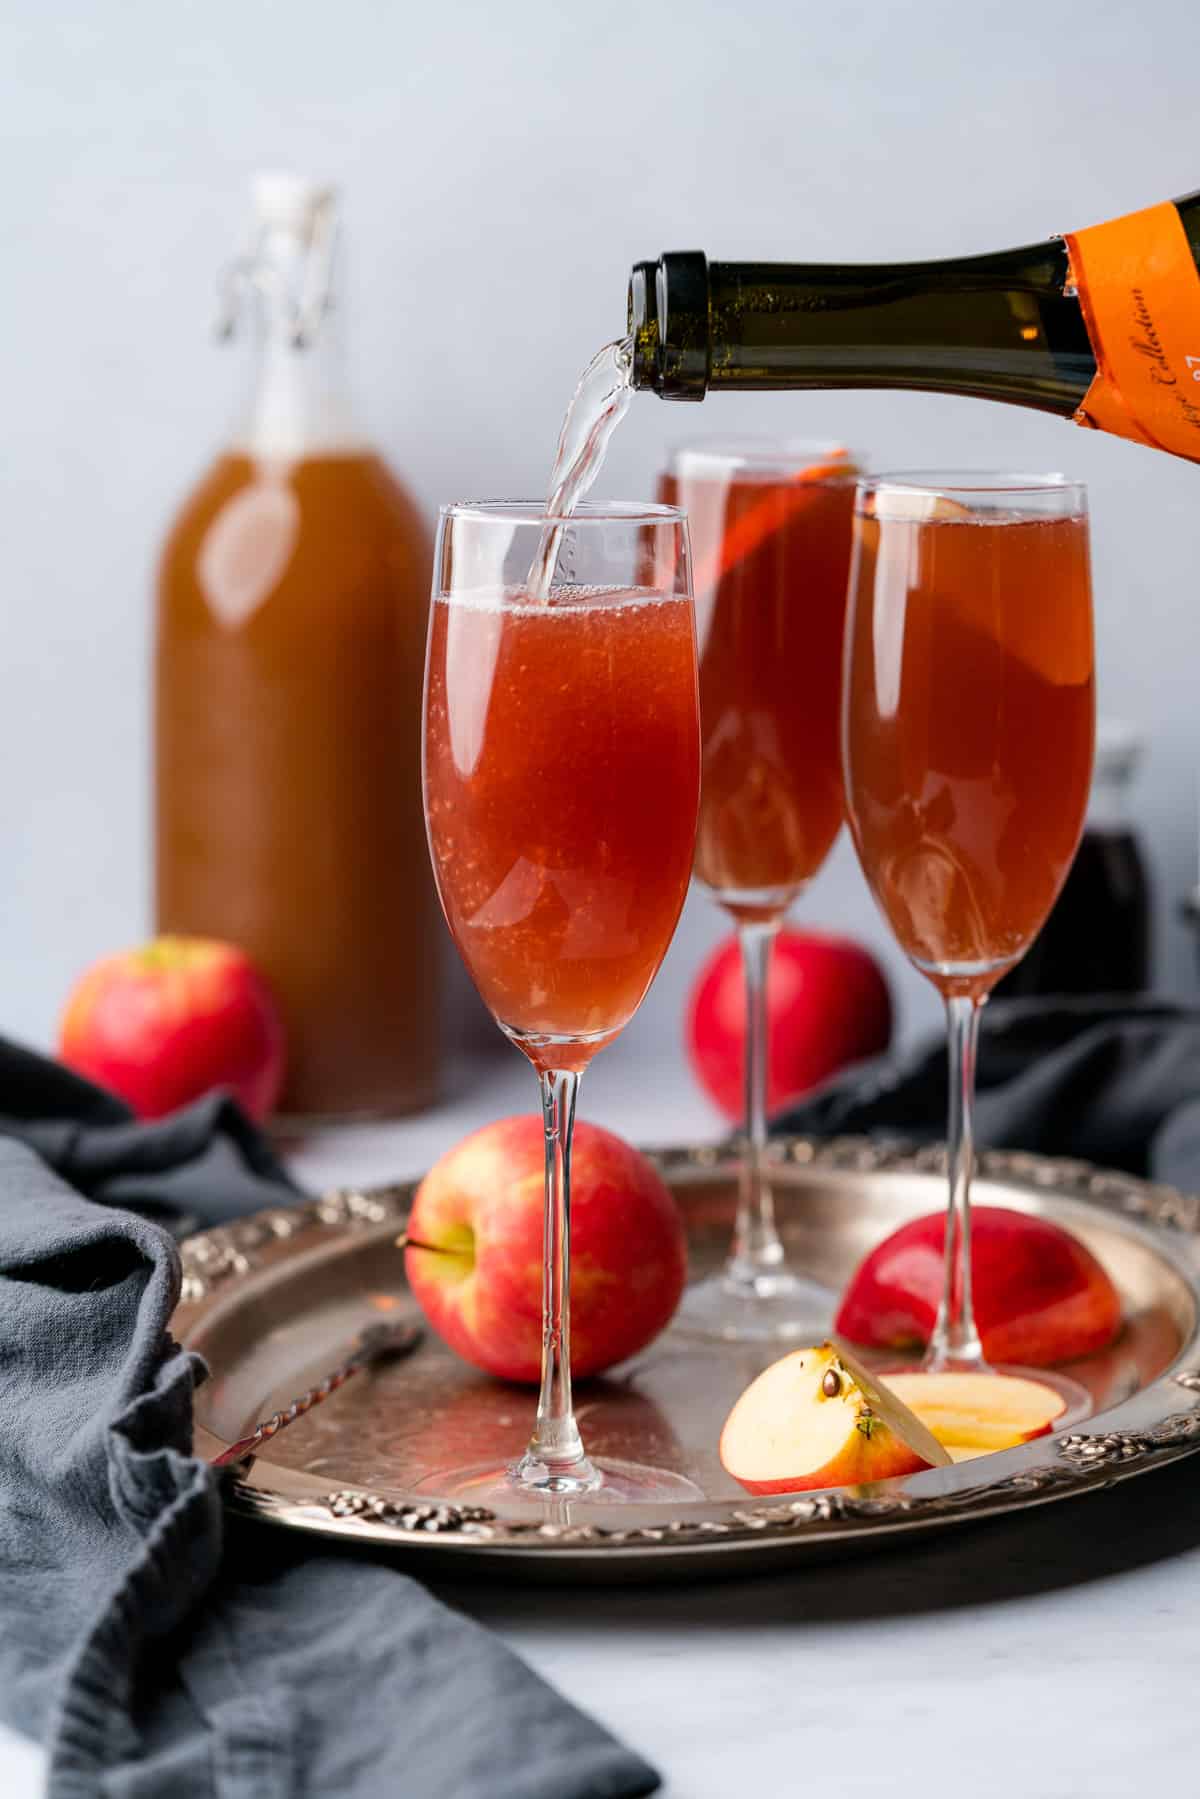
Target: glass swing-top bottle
(291,610)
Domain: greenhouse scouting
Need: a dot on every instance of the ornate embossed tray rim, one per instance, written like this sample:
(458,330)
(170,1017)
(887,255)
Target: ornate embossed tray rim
(1153,1427)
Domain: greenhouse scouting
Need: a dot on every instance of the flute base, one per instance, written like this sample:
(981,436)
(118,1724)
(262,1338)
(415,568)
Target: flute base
(527,1488)
(765,1307)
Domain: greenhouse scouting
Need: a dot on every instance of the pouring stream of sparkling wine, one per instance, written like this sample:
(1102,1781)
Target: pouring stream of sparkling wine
(597,407)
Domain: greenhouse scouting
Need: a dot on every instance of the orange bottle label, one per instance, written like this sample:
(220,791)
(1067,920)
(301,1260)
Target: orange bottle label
(1140,292)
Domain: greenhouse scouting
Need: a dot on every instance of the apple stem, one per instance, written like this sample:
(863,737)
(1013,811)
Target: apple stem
(404,1241)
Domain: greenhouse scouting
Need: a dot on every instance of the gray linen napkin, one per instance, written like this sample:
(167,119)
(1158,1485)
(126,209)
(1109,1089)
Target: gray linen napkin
(203,1165)
(153,1647)
(1111,1080)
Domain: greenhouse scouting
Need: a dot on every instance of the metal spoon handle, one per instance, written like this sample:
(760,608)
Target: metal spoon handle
(373,1344)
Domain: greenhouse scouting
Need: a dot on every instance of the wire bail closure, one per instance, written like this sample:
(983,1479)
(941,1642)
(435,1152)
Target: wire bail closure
(261,275)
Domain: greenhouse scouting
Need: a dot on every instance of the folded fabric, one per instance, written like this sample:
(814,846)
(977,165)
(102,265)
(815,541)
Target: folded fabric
(1111,1082)
(200,1166)
(151,1647)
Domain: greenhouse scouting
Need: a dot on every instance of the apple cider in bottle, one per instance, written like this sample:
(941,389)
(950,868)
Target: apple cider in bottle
(292,602)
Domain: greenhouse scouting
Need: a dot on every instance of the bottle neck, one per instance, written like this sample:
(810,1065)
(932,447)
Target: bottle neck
(296,402)
(1002,326)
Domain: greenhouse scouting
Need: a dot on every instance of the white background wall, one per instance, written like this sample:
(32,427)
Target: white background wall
(502,167)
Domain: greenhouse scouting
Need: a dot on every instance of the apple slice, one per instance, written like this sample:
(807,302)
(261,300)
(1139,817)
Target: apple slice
(818,1419)
(980,1411)
(749,528)
(916,505)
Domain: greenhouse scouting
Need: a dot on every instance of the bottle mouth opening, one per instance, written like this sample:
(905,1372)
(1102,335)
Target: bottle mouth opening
(668,323)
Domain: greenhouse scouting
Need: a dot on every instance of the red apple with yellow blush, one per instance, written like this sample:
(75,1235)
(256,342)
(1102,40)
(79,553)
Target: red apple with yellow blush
(165,1023)
(473,1251)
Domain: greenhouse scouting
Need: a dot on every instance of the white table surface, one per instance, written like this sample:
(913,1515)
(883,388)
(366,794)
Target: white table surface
(1052,1655)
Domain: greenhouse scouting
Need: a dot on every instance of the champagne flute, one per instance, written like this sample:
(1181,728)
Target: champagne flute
(561,783)
(770,525)
(967,730)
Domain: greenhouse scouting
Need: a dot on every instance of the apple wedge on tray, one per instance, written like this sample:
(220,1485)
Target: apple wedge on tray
(819,1418)
(974,1414)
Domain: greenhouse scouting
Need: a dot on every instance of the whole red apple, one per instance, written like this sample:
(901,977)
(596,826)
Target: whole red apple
(1040,1295)
(479,1283)
(827,1005)
(165,1023)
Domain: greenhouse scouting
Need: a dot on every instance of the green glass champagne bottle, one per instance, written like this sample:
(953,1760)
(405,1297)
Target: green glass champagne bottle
(1102,326)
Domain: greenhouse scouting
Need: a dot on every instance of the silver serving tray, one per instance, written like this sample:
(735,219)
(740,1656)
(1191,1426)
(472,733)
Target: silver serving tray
(272,1300)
